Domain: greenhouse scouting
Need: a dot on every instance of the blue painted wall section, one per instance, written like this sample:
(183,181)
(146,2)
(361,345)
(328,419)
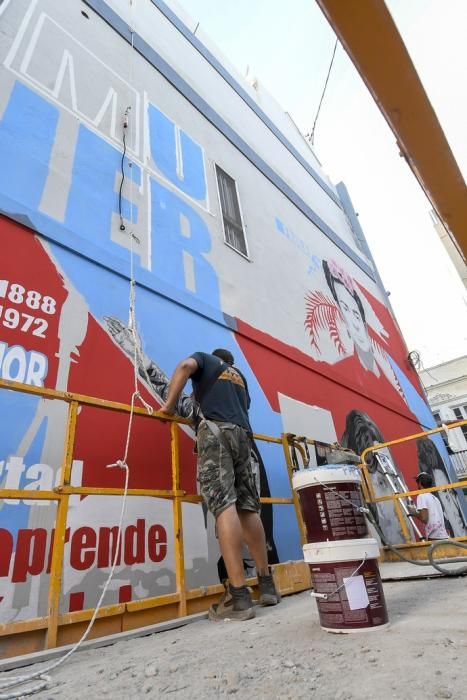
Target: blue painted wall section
(176,228)
(27,134)
(314,262)
(164,151)
(93,197)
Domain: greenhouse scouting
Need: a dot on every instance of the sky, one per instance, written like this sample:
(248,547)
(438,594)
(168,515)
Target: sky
(287,46)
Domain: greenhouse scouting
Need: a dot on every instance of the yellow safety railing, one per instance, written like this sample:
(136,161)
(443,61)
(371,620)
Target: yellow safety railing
(54,620)
(368,490)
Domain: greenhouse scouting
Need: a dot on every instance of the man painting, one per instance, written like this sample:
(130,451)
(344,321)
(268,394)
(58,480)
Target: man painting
(224,473)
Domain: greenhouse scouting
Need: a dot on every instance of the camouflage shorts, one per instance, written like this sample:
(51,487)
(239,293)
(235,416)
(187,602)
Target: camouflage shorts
(225,476)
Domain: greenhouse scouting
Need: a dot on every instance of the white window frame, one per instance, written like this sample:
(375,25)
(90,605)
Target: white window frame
(243,255)
(439,422)
(462,407)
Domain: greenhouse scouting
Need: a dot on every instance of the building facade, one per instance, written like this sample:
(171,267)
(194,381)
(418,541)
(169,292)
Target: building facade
(125,136)
(451,248)
(446,388)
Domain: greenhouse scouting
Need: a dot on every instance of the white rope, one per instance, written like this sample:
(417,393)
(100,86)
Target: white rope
(42,675)
(360,509)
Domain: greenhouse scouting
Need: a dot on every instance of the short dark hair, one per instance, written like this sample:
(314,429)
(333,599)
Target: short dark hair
(424,480)
(225,355)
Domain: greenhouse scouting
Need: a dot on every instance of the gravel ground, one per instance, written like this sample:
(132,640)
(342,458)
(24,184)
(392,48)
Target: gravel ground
(283,653)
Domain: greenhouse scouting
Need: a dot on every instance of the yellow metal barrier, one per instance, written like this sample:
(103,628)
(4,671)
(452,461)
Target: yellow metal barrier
(55,621)
(180,602)
(368,487)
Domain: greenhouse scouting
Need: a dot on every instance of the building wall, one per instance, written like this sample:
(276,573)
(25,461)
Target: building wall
(318,351)
(450,247)
(446,387)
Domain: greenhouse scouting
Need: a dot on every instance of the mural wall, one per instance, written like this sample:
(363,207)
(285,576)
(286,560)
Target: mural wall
(100,155)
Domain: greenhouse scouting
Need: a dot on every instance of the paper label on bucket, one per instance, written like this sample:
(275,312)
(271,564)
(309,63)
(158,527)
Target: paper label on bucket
(356,592)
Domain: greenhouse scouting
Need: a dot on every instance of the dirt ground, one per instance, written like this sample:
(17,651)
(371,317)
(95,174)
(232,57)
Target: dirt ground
(283,653)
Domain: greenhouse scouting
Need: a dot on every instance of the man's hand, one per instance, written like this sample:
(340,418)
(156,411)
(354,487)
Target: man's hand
(183,371)
(412,510)
(168,409)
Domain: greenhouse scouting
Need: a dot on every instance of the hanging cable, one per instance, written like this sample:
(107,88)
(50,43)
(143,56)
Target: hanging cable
(312,134)
(122,170)
(41,676)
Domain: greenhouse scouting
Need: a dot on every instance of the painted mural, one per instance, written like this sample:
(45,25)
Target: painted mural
(94,169)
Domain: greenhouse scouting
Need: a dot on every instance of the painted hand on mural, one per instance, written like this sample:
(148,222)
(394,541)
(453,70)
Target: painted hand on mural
(148,369)
(125,339)
(341,323)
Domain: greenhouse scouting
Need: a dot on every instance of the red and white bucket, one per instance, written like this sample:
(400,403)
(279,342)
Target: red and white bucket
(331,502)
(347,585)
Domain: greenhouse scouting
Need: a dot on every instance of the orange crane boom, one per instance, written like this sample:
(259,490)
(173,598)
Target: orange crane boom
(371,39)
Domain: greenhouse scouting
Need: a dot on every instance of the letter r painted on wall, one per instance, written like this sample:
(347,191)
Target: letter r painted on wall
(176,156)
(180,241)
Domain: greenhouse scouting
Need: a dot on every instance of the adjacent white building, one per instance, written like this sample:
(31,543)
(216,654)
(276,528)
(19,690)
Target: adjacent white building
(451,247)
(446,387)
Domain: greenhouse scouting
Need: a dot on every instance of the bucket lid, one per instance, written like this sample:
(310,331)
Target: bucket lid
(325,475)
(341,550)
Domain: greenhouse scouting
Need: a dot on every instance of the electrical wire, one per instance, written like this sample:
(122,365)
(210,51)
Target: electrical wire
(312,134)
(122,180)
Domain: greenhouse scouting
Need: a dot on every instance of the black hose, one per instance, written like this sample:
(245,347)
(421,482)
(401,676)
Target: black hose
(430,561)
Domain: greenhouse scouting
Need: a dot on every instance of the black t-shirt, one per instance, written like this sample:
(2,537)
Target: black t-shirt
(225,399)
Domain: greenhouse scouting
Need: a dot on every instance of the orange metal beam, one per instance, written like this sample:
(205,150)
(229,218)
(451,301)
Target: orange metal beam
(370,37)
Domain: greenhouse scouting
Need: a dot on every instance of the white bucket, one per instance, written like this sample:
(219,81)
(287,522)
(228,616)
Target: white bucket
(331,502)
(347,585)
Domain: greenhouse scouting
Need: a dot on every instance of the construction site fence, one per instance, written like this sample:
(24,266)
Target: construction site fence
(176,603)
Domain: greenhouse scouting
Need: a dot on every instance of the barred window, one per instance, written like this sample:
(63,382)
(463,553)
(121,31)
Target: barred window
(234,233)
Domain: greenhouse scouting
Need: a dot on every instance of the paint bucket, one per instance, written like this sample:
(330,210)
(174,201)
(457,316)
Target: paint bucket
(347,585)
(330,499)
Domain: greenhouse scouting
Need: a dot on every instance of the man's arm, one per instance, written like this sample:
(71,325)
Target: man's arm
(421,514)
(184,370)
(147,368)
(160,382)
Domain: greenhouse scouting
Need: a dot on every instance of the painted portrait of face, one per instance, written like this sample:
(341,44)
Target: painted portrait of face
(360,433)
(343,315)
(352,312)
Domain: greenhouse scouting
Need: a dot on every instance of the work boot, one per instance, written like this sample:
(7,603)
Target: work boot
(235,604)
(268,594)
